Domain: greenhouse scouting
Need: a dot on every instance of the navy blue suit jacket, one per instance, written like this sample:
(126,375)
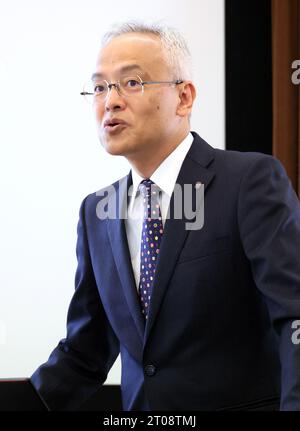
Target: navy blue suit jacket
(219,333)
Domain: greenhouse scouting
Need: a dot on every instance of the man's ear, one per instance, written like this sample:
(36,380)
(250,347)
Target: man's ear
(187,95)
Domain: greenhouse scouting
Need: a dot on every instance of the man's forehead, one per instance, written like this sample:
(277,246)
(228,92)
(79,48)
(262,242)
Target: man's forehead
(131,50)
(125,69)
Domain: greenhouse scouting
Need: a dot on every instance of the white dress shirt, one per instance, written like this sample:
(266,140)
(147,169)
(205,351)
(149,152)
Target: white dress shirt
(165,177)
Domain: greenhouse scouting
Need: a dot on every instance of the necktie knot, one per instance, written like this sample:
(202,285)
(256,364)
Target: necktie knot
(148,188)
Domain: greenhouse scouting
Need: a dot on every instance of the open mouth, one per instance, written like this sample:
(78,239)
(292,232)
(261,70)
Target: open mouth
(112,125)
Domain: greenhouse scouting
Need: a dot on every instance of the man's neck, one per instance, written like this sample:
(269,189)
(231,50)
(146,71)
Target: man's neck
(146,164)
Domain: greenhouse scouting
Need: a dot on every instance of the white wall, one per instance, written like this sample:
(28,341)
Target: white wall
(50,157)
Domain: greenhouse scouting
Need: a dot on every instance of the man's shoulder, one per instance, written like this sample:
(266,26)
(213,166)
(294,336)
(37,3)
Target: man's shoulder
(239,161)
(235,162)
(227,157)
(241,157)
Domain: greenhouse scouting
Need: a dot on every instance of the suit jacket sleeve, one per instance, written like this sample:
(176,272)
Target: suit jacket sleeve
(269,223)
(79,364)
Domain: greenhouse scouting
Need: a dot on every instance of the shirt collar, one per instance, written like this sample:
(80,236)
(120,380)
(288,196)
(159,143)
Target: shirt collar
(167,172)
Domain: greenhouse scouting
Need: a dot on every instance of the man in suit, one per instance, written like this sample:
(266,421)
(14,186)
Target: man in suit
(204,318)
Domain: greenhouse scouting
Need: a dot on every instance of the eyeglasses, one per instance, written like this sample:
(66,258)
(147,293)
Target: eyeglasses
(97,90)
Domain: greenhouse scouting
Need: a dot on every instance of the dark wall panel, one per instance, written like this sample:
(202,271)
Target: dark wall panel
(248,75)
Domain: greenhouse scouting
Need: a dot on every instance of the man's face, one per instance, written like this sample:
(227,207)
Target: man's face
(150,118)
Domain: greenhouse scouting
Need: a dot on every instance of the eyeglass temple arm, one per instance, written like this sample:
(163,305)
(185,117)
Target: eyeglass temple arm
(178,81)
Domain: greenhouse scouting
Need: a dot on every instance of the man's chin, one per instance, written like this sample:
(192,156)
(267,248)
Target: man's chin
(114,151)
(114,147)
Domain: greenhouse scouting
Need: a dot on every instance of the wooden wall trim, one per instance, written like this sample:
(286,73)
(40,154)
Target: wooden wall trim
(286,114)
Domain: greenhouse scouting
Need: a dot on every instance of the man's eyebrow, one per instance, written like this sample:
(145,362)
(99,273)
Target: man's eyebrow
(123,69)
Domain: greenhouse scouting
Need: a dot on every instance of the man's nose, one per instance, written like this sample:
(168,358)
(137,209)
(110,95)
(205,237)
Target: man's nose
(114,100)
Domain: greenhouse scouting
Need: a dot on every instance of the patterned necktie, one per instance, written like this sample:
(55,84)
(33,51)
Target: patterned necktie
(151,236)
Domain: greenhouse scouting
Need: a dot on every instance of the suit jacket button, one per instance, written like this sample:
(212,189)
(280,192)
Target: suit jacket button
(150,370)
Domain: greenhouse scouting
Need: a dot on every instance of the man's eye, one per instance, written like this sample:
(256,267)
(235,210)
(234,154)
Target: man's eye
(132,83)
(99,89)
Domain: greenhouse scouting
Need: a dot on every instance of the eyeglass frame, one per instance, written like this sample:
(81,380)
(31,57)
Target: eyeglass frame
(142,83)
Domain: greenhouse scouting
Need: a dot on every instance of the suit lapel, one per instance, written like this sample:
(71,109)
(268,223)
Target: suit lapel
(119,244)
(193,171)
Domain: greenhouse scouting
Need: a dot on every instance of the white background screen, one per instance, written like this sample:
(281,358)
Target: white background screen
(50,157)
